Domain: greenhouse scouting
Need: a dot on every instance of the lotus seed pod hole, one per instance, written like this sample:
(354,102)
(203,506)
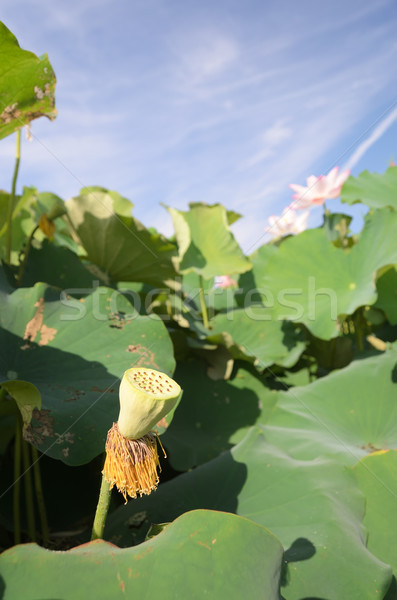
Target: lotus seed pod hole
(153,382)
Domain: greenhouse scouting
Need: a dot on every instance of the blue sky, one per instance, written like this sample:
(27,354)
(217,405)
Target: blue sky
(178,101)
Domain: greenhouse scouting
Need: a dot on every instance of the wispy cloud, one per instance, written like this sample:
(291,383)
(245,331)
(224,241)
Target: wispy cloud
(373,137)
(269,142)
(201,57)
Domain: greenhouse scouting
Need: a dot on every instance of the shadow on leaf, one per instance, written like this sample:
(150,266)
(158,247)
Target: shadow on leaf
(301,549)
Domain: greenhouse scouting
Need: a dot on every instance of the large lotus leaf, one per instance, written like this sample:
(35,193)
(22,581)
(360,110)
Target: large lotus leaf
(331,354)
(309,280)
(203,554)
(27,85)
(376,190)
(253,335)
(20,233)
(348,414)
(377,478)
(122,206)
(314,507)
(75,352)
(386,286)
(32,204)
(57,266)
(213,415)
(221,299)
(248,293)
(259,260)
(225,299)
(206,244)
(299,376)
(28,209)
(26,396)
(119,244)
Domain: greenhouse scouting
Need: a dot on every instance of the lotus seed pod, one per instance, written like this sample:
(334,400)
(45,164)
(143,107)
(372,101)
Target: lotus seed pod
(146,396)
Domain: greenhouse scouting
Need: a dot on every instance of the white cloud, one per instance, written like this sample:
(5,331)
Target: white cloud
(269,142)
(200,56)
(210,56)
(374,136)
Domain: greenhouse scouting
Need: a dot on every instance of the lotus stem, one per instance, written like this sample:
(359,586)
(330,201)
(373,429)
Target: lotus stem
(101,510)
(40,496)
(204,313)
(11,200)
(17,481)
(25,256)
(358,323)
(28,491)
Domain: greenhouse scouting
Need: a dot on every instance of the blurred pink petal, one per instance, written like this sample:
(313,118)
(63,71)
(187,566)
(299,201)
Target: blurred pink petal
(290,222)
(318,189)
(224,281)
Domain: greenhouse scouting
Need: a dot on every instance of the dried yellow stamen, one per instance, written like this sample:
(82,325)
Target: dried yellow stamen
(47,226)
(131,465)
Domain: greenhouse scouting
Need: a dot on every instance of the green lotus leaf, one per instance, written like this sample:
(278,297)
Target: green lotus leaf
(28,209)
(213,415)
(247,281)
(376,190)
(74,352)
(253,335)
(386,286)
(206,244)
(309,280)
(119,244)
(348,414)
(314,507)
(57,266)
(203,554)
(232,215)
(376,477)
(27,85)
(259,260)
(27,397)
(34,204)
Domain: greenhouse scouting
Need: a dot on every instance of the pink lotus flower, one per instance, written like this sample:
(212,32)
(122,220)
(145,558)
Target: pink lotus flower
(224,281)
(318,189)
(288,223)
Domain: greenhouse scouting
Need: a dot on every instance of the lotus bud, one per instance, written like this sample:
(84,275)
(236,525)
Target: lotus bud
(131,464)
